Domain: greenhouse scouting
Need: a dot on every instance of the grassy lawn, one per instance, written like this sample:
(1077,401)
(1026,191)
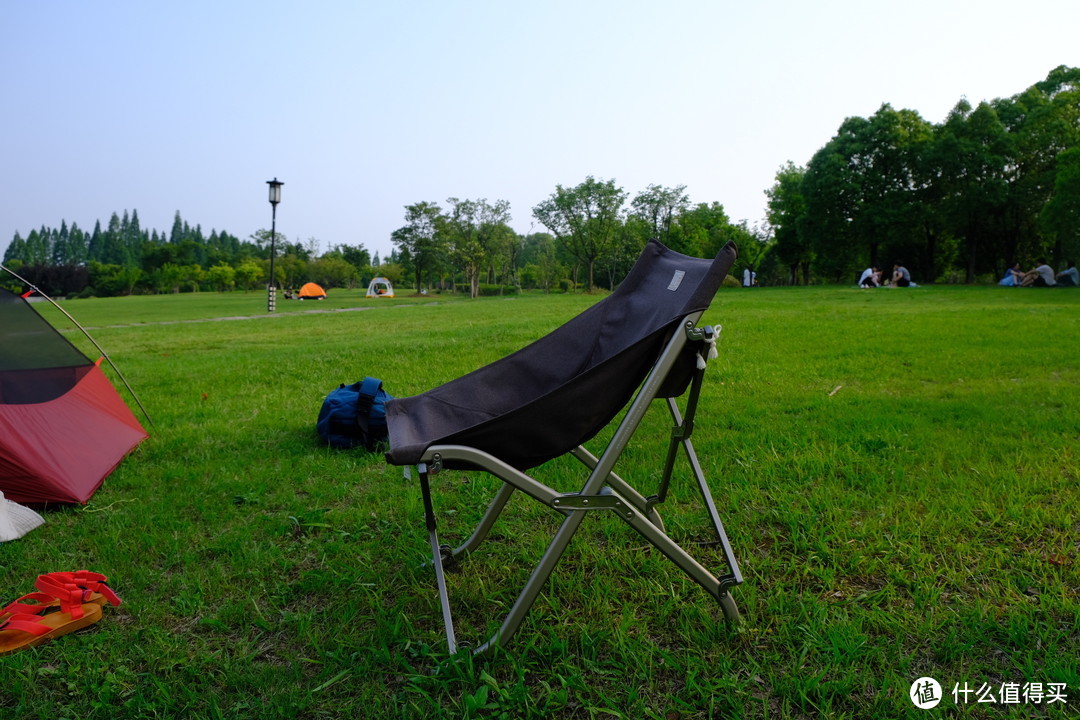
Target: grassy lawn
(897,471)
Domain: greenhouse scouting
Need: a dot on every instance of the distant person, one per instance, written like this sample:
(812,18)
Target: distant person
(871,277)
(1013,277)
(1070,277)
(900,276)
(749,278)
(1041,276)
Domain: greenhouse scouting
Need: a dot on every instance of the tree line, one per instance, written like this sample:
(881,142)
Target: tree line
(992,185)
(124,258)
(593,236)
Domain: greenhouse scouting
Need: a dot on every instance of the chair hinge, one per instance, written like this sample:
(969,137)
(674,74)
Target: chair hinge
(431,468)
(604,501)
(697,333)
(708,335)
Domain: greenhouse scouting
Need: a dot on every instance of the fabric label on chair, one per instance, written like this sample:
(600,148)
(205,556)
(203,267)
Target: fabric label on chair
(676,280)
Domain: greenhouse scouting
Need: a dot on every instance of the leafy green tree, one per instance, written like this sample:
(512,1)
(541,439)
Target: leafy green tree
(177,233)
(392,271)
(221,277)
(1060,217)
(132,237)
(701,230)
(36,251)
(657,207)
(168,278)
(585,219)
(461,227)
(113,251)
(194,277)
(95,248)
(292,268)
(974,147)
(108,280)
(77,246)
(421,238)
(754,242)
(786,214)
(333,272)
(504,247)
(498,242)
(16,250)
(59,245)
(155,256)
(358,257)
(477,233)
(249,274)
(542,266)
(1043,123)
(861,192)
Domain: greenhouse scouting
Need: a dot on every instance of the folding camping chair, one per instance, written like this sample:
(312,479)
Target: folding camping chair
(547,399)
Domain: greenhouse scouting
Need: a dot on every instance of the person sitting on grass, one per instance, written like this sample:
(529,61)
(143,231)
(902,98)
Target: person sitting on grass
(1013,276)
(1041,276)
(900,276)
(1070,277)
(871,277)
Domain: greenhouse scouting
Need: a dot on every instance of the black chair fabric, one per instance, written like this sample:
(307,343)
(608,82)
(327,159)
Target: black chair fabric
(558,392)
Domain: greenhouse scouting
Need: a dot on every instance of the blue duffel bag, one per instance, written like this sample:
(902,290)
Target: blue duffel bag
(355,415)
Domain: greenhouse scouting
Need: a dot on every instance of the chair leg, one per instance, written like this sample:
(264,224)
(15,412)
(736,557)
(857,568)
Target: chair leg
(735,577)
(715,586)
(730,609)
(437,559)
(535,584)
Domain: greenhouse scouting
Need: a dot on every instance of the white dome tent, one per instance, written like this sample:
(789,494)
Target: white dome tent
(380,287)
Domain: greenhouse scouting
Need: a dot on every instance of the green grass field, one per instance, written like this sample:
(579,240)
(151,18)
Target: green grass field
(897,471)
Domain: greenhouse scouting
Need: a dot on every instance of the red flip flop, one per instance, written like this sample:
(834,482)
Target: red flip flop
(75,588)
(23,630)
(65,590)
(38,602)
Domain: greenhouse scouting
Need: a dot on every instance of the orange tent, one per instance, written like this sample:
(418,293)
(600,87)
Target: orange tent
(311,291)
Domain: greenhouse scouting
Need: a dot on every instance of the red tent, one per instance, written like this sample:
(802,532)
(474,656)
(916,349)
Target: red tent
(63,427)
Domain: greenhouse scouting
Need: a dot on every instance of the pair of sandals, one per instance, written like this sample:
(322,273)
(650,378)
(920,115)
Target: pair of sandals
(65,602)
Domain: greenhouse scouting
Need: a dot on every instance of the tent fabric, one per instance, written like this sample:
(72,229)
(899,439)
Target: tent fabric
(63,426)
(526,408)
(380,287)
(311,290)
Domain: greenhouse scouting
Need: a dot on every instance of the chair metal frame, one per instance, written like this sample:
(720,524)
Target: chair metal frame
(603,490)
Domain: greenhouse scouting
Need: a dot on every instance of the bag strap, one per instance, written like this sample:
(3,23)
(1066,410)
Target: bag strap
(369,388)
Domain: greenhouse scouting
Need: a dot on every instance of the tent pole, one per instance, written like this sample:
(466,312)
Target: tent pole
(101,350)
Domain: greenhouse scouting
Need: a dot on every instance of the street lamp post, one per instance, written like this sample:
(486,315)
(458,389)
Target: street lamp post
(275,198)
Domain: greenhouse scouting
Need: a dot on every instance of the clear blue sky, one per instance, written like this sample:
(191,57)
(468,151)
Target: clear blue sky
(364,107)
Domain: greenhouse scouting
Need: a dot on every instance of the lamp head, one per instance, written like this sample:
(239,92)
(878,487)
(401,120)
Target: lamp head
(275,191)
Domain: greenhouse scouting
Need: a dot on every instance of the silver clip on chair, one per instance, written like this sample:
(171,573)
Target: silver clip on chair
(641,343)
